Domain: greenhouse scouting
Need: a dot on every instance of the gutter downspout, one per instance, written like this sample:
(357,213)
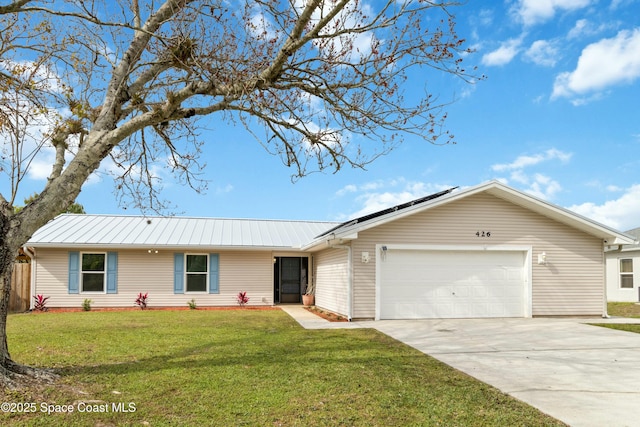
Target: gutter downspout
(349,279)
(605,309)
(32,281)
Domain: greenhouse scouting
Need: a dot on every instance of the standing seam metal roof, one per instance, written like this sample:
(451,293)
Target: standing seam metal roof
(138,231)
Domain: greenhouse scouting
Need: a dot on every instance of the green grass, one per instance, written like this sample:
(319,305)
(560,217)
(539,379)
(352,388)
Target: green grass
(623,309)
(242,367)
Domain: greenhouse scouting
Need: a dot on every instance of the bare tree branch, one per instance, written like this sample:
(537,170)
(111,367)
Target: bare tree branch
(14,7)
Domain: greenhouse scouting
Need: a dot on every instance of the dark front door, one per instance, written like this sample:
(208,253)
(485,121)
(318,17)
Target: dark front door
(289,279)
(290,274)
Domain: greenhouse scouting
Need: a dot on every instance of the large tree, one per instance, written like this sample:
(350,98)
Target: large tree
(317,82)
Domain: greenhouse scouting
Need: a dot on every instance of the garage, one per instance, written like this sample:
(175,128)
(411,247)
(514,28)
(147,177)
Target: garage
(417,283)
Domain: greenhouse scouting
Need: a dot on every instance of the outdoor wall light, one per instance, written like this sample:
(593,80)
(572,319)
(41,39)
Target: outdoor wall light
(153,251)
(542,258)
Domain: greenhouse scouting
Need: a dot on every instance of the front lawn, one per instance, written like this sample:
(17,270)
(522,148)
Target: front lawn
(240,367)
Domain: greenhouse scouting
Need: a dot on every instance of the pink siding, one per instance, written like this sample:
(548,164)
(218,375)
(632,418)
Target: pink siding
(331,278)
(139,271)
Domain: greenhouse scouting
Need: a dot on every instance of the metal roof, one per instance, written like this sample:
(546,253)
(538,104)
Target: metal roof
(635,232)
(70,230)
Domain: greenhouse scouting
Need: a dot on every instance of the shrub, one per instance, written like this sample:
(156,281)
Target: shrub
(242,298)
(141,301)
(40,303)
(192,304)
(86,304)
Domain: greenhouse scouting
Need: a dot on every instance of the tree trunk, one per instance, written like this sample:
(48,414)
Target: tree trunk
(12,374)
(6,266)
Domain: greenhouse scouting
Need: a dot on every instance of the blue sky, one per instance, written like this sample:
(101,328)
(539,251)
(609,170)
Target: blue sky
(557,116)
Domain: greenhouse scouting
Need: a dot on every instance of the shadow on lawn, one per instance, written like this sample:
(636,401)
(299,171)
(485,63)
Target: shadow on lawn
(271,349)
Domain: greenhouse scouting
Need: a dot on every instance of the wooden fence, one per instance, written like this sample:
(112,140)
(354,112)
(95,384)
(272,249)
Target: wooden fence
(20,287)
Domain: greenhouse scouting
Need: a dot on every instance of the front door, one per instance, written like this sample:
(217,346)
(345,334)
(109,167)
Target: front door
(289,274)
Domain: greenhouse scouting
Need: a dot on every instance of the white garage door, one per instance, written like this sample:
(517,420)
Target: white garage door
(421,284)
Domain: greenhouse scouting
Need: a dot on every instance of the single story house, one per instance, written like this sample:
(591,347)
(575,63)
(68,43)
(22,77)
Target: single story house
(485,251)
(623,270)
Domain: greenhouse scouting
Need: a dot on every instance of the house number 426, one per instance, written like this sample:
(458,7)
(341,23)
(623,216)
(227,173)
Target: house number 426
(483,234)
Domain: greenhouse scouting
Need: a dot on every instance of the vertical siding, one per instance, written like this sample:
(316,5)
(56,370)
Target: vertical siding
(614,291)
(20,298)
(571,283)
(331,275)
(139,271)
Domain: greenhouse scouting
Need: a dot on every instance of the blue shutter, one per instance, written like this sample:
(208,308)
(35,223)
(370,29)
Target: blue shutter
(112,272)
(214,270)
(74,272)
(178,273)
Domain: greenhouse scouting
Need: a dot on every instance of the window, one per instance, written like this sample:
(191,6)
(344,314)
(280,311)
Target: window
(93,272)
(626,273)
(197,273)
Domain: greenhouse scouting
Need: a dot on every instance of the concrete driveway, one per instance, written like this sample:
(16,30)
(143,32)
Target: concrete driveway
(580,374)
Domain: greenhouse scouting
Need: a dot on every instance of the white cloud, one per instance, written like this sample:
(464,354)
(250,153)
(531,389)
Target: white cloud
(538,185)
(622,213)
(350,188)
(615,4)
(602,64)
(223,189)
(379,195)
(543,187)
(504,54)
(585,28)
(581,26)
(542,52)
(531,12)
(41,167)
(486,17)
(524,161)
(519,176)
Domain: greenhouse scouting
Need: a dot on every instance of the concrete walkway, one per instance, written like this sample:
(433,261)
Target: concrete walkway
(580,374)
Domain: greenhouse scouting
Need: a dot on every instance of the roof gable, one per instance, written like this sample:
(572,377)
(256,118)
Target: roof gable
(349,230)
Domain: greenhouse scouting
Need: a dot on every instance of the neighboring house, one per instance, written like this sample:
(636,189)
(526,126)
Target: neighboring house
(485,251)
(623,270)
